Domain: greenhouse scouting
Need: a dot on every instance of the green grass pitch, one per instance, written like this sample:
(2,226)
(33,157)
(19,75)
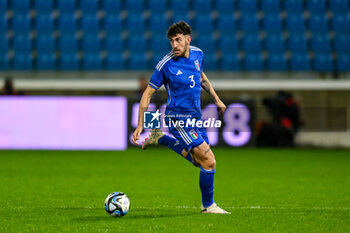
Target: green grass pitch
(266,190)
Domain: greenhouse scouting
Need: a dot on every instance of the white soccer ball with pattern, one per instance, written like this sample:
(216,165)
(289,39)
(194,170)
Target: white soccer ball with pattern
(117,204)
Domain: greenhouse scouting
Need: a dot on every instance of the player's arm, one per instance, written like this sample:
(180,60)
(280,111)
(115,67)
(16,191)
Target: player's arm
(206,85)
(144,103)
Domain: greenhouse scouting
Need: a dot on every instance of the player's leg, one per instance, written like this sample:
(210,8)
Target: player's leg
(206,159)
(176,144)
(207,162)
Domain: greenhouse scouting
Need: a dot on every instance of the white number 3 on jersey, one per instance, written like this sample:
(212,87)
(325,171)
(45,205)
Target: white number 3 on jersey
(192,81)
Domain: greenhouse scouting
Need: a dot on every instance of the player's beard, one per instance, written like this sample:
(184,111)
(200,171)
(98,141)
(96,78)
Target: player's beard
(185,50)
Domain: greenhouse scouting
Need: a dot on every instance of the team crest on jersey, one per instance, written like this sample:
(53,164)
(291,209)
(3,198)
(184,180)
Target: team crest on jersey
(196,63)
(193,134)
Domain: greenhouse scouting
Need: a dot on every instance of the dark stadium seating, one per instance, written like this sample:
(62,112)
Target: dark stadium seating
(343,61)
(21,23)
(273,23)
(224,6)
(271,6)
(138,61)
(89,6)
(339,6)
(179,6)
(66,6)
(137,44)
(3,6)
(23,61)
(45,43)
(297,42)
(300,61)
(20,6)
(159,45)
(46,61)
(341,23)
(210,62)
(90,24)
(69,61)
(115,61)
(202,6)
(203,24)
(250,23)
(293,6)
(113,24)
(226,24)
(251,43)
(135,6)
(323,61)
(44,24)
(228,44)
(43,6)
(114,43)
(318,23)
(157,6)
(230,62)
(111,6)
(92,61)
(3,24)
(67,23)
(247,6)
(321,43)
(342,42)
(68,43)
(277,61)
(4,61)
(253,61)
(135,24)
(316,6)
(207,43)
(275,35)
(22,43)
(295,23)
(91,44)
(158,23)
(181,16)
(275,43)
(4,45)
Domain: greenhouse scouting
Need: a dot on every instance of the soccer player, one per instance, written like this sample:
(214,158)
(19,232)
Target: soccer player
(181,72)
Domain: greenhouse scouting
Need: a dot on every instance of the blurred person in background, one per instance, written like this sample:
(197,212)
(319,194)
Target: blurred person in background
(143,83)
(285,121)
(8,88)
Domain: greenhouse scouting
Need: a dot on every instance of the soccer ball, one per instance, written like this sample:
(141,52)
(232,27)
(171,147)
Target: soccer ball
(117,204)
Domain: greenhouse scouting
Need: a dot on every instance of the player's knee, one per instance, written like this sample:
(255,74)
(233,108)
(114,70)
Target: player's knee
(211,163)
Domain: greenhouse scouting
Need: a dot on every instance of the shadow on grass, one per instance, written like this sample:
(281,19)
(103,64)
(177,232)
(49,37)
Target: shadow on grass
(136,214)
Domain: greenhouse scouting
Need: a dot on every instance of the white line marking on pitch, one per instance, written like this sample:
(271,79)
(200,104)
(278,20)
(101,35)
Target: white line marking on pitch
(253,207)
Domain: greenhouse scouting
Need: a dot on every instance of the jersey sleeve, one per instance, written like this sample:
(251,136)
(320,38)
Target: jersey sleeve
(157,79)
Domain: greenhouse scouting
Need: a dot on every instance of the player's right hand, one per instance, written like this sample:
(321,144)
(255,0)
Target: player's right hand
(136,135)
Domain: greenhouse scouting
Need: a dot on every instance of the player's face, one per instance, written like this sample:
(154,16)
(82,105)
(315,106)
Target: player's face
(180,44)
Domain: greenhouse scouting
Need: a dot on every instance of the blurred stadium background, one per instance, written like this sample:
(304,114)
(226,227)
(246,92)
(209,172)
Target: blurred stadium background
(72,73)
(253,49)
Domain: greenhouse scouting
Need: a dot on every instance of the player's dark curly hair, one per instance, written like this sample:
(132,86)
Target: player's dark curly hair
(179,28)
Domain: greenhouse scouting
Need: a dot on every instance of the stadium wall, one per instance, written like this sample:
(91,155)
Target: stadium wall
(318,98)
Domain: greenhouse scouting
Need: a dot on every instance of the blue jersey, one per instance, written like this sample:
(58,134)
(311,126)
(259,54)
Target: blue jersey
(181,78)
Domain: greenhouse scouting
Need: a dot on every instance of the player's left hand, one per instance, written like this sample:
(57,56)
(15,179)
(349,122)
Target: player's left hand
(221,107)
(136,135)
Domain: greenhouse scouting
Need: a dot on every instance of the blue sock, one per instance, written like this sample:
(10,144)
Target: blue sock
(206,183)
(173,144)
